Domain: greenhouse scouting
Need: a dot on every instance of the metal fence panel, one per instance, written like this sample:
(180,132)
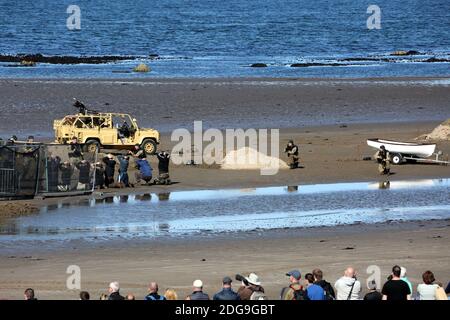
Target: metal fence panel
(48,170)
(19,170)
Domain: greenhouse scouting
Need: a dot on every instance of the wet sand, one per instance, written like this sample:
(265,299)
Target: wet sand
(225,103)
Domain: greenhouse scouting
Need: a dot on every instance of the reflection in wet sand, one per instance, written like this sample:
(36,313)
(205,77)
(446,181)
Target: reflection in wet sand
(144,197)
(164,196)
(212,211)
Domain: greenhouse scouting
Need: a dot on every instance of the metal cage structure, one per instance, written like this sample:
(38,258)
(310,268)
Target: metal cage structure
(29,170)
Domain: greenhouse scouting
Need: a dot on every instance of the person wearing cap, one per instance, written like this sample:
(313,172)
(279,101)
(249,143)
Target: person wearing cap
(110,167)
(295,290)
(227,292)
(373,293)
(197,291)
(292,152)
(251,288)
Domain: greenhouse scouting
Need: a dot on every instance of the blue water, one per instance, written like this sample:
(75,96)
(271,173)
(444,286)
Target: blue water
(210,38)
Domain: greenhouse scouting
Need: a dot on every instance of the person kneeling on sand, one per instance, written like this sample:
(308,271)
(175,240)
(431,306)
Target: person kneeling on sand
(348,287)
(145,171)
(153,292)
(292,152)
(197,291)
(295,290)
(251,288)
(163,167)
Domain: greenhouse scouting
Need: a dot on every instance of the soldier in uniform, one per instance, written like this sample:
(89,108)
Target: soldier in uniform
(383,158)
(12,140)
(292,152)
(81,107)
(75,150)
(138,152)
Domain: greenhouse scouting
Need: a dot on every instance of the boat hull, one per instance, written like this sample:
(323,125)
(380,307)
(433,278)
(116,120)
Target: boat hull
(404,148)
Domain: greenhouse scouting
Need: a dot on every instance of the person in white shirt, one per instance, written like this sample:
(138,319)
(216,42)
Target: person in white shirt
(348,287)
(427,289)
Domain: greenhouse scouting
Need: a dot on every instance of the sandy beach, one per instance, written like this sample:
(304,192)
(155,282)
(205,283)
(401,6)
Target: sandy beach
(175,264)
(329,119)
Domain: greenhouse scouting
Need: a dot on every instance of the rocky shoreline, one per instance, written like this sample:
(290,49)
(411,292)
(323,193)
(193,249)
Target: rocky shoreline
(39,58)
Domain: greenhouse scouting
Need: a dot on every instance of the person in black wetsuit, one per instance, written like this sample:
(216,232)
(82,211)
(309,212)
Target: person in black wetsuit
(163,167)
(110,168)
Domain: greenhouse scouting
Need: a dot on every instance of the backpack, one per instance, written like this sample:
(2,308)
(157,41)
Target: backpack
(300,294)
(440,294)
(328,289)
(258,295)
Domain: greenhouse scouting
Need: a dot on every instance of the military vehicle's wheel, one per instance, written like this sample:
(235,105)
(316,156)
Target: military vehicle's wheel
(397,158)
(92,146)
(149,146)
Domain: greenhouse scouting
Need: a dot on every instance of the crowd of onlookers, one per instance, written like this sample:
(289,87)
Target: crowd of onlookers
(311,287)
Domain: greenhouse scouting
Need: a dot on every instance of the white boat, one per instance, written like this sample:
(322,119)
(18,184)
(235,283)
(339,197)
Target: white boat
(409,149)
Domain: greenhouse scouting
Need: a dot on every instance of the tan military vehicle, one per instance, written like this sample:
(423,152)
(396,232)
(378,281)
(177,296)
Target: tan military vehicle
(98,130)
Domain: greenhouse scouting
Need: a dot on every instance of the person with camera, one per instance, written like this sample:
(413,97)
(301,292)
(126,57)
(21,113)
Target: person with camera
(348,287)
(251,288)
